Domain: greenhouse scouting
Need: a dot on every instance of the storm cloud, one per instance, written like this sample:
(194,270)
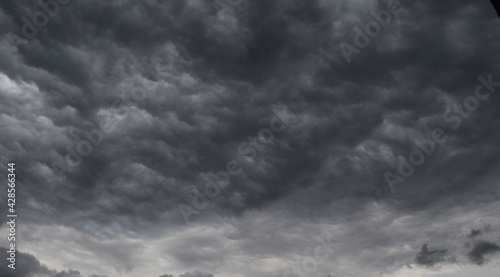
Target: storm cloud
(126,118)
(480,249)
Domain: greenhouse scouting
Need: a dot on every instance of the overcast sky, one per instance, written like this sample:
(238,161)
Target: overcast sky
(363,131)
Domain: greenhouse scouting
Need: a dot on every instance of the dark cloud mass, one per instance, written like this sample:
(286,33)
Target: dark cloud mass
(239,137)
(429,257)
(27,266)
(480,249)
(474,233)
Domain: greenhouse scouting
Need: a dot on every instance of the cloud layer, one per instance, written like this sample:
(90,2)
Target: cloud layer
(119,113)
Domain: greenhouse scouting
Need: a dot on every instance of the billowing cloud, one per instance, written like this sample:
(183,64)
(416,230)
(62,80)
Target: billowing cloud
(429,256)
(27,265)
(231,136)
(481,249)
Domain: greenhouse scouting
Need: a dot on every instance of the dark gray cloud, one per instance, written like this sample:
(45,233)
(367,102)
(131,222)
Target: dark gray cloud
(189,137)
(474,233)
(28,265)
(480,250)
(429,256)
(163,93)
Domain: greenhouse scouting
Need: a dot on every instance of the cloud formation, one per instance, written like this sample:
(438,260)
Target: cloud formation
(117,112)
(480,249)
(429,257)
